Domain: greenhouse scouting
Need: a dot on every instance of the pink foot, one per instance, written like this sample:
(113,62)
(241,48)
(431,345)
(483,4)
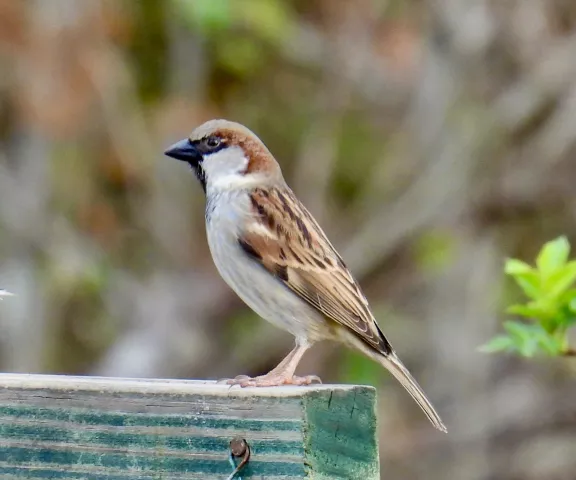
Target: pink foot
(274,380)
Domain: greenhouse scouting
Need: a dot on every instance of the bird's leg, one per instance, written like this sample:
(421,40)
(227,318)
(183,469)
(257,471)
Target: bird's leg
(283,374)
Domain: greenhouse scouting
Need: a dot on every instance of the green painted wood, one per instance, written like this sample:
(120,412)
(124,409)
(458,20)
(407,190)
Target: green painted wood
(94,428)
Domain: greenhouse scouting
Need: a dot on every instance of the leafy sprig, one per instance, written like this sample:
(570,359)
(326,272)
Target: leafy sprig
(550,307)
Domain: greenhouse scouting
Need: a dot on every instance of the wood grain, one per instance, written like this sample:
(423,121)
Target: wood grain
(119,429)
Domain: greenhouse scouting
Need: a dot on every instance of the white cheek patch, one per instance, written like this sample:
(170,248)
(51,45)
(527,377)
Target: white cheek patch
(225,170)
(235,181)
(224,163)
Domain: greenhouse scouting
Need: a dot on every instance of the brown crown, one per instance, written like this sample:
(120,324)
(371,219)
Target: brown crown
(236,135)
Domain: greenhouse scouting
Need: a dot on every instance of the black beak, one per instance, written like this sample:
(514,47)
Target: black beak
(184,150)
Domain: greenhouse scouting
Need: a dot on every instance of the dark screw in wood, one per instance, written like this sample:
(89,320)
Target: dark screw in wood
(239,448)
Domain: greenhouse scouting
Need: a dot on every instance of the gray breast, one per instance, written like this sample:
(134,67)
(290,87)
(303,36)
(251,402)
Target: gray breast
(267,296)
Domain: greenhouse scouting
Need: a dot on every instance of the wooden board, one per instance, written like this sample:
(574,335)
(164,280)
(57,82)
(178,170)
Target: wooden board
(125,429)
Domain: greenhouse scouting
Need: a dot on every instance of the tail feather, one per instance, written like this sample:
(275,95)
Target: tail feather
(397,368)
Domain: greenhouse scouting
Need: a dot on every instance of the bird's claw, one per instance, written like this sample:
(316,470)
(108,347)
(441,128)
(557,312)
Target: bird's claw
(229,381)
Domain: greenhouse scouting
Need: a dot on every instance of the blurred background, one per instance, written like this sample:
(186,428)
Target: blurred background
(431,139)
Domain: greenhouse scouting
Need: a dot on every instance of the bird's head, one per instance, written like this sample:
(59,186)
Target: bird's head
(226,155)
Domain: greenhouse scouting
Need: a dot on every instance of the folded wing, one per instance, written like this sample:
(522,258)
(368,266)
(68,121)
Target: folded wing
(289,243)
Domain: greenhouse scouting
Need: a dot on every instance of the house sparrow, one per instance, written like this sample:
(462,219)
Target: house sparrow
(274,255)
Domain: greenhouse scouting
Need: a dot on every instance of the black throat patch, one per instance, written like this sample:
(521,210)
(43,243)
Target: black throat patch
(200,174)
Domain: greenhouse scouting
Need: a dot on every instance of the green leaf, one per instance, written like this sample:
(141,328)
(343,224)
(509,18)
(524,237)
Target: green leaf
(561,280)
(553,255)
(498,344)
(552,308)
(515,267)
(530,310)
(549,343)
(528,348)
(567,297)
(528,340)
(523,338)
(517,329)
(529,283)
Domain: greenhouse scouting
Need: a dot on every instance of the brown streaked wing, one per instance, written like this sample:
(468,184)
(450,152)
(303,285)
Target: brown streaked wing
(290,244)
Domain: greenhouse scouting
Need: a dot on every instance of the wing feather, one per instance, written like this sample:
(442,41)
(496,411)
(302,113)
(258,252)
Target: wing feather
(290,244)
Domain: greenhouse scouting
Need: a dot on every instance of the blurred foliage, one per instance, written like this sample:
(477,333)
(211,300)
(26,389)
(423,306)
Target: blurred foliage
(148,47)
(434,250)
(357,369)
(550,308)
(242,34)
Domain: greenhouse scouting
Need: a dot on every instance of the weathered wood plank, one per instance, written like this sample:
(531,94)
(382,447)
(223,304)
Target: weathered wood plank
(119,429)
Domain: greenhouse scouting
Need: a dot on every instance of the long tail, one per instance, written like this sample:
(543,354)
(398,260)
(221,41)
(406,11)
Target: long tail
(397,368)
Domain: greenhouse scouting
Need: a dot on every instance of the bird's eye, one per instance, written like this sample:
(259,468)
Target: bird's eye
(213,142)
